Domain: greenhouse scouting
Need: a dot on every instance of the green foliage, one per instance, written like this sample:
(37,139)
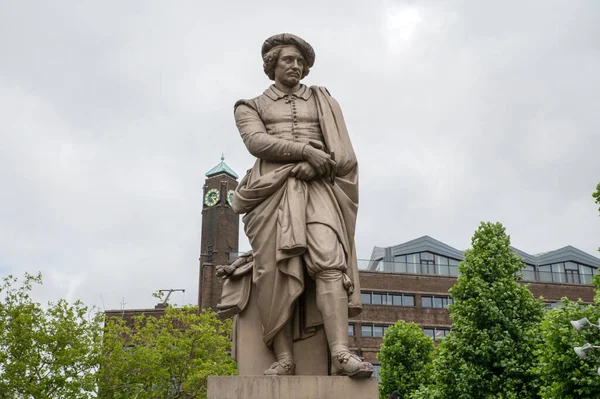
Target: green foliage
(490,352)
(596,195)
(45,352)
(405,356)
(167,357)
(60,351)
(563,374)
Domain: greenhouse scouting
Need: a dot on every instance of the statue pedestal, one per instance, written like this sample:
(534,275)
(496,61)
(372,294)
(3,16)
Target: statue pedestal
(292,387)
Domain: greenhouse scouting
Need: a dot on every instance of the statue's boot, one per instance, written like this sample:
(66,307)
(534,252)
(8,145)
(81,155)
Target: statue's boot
(347,363)
(282,347)
(332,300)
(281,368)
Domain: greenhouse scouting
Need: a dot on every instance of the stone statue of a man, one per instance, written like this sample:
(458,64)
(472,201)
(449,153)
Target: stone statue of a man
(300,201)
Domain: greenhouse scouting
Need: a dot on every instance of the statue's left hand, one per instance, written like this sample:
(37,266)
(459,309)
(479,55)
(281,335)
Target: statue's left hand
(304,171)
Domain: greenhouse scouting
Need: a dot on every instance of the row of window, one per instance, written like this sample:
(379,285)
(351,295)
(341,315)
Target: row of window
(437,333)
(421,263)
(400,299)
(378,331)
(387,298)
(427,301)
(436,301)
(564,272)
(430,263)
(372,330)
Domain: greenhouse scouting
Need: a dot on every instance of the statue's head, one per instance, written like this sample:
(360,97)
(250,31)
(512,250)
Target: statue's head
(287,58)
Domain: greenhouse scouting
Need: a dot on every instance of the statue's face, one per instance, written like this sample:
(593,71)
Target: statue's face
(290,66)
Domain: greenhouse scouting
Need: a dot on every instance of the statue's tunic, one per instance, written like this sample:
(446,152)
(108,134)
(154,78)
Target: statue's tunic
(296,225)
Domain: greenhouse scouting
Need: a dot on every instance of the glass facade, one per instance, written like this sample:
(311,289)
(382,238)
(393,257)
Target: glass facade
(563,272)
(387,298)
(435,264)
(421,263)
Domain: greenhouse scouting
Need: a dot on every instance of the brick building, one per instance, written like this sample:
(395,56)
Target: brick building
(220,231)
(409,281)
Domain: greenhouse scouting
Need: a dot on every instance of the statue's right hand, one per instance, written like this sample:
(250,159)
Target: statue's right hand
(320,160)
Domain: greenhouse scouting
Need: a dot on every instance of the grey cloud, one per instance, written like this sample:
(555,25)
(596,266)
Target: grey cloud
(459,112)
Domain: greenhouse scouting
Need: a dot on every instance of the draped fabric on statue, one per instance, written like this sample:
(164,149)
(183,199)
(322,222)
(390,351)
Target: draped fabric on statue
(277,209)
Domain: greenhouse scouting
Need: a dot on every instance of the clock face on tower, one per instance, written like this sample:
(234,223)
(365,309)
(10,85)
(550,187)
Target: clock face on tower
(230,197)
(212,197)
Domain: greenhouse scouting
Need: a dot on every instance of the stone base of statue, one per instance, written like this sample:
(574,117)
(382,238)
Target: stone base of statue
(292,387)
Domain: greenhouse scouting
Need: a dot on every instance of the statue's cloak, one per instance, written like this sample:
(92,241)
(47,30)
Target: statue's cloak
(275,207)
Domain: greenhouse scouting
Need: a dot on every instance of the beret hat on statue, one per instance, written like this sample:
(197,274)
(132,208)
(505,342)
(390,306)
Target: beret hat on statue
(287,39)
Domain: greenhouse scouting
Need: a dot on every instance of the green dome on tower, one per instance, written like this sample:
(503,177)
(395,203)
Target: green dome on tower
(222,167)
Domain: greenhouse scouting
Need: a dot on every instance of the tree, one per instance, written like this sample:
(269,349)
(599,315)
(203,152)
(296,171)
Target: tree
(166,357)
(490,352)
(596,195)
(405,356)
(45,352)
(65,351)
(563,374)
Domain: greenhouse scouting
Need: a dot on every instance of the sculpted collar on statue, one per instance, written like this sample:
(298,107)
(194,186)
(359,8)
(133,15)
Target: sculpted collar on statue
(275,94)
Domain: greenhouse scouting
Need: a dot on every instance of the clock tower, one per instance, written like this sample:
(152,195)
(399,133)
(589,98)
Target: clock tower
(220,231)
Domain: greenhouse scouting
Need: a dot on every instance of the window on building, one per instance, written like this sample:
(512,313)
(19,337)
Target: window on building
(365,298)
(377,370)
(209,254)
(529,273)
(566,273)
(407,300)
(441,263)
(436,333)
(351,329)
(373,330)
(413,262)
(453,268)
(435,301)
(545,273)
(427,263)
(586,274)
(572,273)
(558,273)
(387,298)
(378,298)
(400,264)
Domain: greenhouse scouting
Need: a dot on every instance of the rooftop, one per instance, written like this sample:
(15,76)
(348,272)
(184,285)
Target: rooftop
(222,167)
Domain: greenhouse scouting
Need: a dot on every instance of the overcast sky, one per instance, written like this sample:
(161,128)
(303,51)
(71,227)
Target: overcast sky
(460,112)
